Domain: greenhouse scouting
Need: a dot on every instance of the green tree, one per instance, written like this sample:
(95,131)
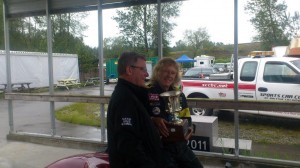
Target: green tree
(195,40)
(272,22)
(114,46)
(293,25)
(180,46)
(88,60)
(138,24)
(67,29)
(30,34)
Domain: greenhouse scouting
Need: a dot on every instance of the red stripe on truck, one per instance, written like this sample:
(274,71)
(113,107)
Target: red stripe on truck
(219,85)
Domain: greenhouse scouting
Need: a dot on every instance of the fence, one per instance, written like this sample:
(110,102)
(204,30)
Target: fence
(194,102)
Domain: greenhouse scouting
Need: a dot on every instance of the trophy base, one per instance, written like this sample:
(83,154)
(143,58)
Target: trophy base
(177,131)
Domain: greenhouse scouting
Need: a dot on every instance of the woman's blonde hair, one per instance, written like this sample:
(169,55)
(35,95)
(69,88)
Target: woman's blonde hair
(165,62)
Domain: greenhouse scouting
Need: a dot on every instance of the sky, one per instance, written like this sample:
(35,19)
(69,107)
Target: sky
(217,16)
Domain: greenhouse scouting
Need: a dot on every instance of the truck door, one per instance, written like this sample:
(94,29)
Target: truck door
(248,75)
(278,81)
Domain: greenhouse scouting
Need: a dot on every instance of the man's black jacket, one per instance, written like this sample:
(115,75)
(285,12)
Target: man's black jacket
(133,140)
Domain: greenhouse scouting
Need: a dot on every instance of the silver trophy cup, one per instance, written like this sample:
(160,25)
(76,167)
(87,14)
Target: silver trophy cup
(172,104)
(178,128)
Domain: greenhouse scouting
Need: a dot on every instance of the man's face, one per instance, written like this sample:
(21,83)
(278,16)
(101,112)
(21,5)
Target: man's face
(139,73)
(167,76)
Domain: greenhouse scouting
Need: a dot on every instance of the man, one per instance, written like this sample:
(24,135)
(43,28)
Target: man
(165,77)
(133,141)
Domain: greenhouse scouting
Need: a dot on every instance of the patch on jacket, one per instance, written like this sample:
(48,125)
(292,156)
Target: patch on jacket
(153,97)
(156,110)
(126,121)
(152,104)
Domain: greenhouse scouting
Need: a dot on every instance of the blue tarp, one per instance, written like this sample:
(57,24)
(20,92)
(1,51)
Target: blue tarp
(184,58)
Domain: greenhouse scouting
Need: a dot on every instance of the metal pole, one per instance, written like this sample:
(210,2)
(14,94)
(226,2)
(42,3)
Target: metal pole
(50,67)
(8,67)
(100,55)
(159,21)
(236,112)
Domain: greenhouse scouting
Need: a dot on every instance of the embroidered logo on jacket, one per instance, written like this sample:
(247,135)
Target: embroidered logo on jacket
(156,110)
(153,97)
(126,121)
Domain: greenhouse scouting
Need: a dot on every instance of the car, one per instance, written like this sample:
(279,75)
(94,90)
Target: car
(199,72)
(219,66)
(223,67)
(86,160)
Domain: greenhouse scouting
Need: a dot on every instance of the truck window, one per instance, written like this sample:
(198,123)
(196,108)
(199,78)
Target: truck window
(248,71)
(279,72)
(296,63)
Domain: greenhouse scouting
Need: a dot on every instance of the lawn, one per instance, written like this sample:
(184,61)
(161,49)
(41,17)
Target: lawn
(80,113)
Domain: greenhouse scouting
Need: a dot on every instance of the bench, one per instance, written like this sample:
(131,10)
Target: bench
(66,83)
(92,81)
(21,85)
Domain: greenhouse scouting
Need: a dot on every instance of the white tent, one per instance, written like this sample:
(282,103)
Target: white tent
(33,67)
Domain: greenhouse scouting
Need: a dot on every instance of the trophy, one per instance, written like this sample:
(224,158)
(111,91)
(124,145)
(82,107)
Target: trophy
(178,128)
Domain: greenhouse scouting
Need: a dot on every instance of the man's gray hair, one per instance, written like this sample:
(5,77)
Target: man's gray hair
(128,59)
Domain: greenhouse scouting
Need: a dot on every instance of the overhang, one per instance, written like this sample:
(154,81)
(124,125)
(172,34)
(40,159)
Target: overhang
(23,8)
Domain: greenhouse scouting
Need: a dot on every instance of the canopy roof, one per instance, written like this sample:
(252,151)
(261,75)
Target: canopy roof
(184,58)
(21,8)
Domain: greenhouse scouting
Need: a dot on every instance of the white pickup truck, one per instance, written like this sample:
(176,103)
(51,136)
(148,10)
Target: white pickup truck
(267,78)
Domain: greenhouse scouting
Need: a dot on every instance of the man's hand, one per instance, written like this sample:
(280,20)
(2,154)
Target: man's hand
(160,123)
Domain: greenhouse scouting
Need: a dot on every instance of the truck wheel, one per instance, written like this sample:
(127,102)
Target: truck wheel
(199,110)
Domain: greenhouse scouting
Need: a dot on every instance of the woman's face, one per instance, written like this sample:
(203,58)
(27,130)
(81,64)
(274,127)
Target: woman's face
(167,75)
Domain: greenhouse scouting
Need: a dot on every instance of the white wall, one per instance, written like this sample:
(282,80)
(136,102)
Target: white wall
(33,67)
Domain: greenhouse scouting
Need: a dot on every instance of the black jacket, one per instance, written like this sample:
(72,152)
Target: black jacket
(133,141)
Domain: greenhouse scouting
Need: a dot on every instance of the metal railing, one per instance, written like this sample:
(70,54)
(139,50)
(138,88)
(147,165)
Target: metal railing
(192,102)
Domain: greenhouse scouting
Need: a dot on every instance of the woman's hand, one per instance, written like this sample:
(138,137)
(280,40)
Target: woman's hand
(189,133)
(160,123)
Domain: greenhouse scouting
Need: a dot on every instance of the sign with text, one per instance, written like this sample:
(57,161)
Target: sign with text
(199,143)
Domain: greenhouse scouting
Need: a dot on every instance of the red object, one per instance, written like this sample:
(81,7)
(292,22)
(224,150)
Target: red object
(88,160)
(294,52)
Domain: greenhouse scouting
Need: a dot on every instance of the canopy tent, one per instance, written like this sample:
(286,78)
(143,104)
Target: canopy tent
(184,58)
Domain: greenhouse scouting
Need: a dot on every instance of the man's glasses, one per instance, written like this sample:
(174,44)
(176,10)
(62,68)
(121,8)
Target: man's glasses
(140,68)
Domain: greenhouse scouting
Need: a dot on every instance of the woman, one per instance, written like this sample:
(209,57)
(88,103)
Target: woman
(165,77)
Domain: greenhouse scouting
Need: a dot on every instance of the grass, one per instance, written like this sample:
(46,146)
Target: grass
(263,130)
(1,95)
(260,133)
(80,113)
